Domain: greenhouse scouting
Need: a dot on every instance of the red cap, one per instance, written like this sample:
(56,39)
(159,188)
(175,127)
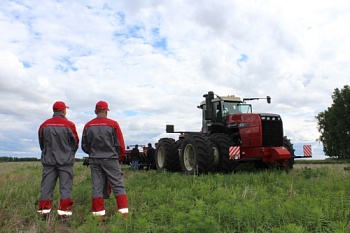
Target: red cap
(59,106)
(102,105)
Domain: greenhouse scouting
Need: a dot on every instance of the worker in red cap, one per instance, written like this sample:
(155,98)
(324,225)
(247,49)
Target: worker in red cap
(58,140)
(103,140)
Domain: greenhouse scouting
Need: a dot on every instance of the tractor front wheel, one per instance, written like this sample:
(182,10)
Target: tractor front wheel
(222,162)
(197,154)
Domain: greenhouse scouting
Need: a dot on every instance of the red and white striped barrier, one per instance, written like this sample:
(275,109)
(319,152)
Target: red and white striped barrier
(235,152)
(307,150)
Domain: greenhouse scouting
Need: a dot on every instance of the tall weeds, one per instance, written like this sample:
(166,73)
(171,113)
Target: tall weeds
(304,200)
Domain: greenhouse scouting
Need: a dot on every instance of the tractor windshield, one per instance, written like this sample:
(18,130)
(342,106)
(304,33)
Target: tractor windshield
(234,108)
(245,108)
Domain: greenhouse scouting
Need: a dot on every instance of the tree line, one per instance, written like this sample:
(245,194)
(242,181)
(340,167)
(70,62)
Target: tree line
(334,125)
(16,159)
(4,159)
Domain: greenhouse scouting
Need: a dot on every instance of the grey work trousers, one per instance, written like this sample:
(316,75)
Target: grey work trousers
(49,178)
(110,169)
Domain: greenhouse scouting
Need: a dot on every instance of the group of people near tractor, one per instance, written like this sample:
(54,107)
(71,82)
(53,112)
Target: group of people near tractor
(141,159)
(102,140)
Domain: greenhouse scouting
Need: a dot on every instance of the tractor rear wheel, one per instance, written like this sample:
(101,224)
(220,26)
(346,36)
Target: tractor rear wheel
(197,154)
(167,157)
(222,162)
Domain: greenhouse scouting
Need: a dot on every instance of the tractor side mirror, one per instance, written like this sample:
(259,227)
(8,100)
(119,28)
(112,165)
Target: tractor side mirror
(268,98)
(169,128)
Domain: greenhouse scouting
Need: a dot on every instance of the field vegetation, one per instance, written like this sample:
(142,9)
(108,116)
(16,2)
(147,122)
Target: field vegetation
(307,199)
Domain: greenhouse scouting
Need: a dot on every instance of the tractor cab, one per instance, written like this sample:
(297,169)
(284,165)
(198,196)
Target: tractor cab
(226,107)
(215,111)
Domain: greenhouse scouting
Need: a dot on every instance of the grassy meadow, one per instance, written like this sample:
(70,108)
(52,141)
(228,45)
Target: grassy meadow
(310,198)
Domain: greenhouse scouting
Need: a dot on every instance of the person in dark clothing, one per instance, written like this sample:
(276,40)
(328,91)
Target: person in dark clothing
(151,153)
(135,158)
(104,142)
(58,140)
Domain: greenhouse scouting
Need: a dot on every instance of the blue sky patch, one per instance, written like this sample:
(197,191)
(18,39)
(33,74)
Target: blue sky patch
(135,31)
(243,58)
(66,65)
(26,64)
(161,43)
(130,113)
(121,17)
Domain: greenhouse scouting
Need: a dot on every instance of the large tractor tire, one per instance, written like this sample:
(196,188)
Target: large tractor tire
(289,146)
(222,162)
(167,157)
(177,166)
(197,154)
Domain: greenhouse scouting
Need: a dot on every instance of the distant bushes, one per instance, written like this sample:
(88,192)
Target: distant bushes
(326,161)
(16,159)
(4,159)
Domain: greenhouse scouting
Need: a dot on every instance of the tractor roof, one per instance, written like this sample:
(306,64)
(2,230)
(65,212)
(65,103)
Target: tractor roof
(229,98)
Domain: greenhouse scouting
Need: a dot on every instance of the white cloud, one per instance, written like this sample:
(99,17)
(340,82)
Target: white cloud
(153,60)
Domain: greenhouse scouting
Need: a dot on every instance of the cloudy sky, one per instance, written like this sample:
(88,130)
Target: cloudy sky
(152,61)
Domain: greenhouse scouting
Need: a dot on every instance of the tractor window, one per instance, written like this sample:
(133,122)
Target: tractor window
(245,108)
(234,108)
(230,108)
(218,111)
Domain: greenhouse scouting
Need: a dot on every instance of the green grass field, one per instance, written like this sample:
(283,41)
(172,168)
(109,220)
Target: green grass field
(310,198)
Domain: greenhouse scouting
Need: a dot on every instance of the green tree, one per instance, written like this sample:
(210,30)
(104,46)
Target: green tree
(334,125)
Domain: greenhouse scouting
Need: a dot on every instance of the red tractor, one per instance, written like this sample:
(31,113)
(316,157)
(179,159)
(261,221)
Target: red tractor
(231,134)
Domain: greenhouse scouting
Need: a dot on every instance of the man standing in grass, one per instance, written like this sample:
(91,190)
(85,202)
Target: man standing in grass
(135,158)
(151,153)
(104,142)
(58,140)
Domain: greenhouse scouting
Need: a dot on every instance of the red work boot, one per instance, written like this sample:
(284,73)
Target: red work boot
(122,205)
